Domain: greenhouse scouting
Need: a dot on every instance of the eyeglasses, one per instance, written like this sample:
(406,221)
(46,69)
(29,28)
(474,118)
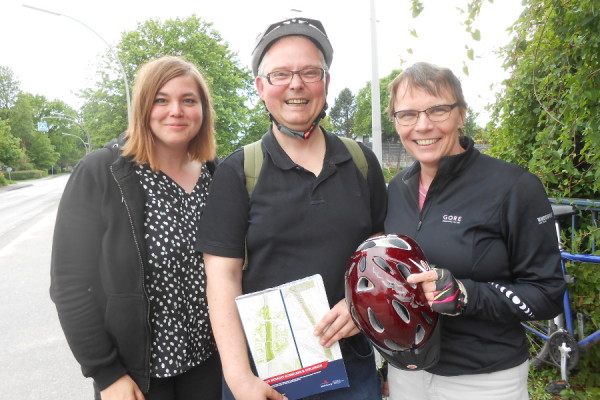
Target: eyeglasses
(283,77)
(437,113)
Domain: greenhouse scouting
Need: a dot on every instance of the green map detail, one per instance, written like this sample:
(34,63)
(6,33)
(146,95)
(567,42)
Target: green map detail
(297,290)
(271,335)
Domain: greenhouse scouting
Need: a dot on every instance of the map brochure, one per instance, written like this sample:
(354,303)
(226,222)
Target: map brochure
(279,324)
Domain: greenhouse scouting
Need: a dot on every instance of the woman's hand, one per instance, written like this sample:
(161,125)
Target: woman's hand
(445,294)
(335,325)
(123,388)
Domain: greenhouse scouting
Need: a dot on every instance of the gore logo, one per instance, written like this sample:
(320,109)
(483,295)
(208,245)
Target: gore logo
(453,219)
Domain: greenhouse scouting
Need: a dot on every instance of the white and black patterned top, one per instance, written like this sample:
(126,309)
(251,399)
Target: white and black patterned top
(175,279)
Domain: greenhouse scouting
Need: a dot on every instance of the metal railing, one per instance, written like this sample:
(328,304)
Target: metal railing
(582,205)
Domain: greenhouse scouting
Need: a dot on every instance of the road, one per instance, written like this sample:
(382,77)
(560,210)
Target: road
(35,361)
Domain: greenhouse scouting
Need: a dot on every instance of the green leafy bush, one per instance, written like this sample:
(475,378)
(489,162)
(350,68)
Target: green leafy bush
(31,174)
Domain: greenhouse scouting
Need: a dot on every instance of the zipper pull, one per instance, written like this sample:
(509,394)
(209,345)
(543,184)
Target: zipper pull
(419,225)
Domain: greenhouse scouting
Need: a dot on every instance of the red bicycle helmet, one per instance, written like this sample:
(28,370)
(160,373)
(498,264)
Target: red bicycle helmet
(392,313)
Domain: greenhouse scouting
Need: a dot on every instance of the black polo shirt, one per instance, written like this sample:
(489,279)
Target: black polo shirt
(296,224)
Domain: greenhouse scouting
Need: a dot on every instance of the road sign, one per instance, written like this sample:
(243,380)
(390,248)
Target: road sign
(42,126)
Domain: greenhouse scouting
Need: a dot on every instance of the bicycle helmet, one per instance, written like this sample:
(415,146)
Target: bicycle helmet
(392,313)
(313,30)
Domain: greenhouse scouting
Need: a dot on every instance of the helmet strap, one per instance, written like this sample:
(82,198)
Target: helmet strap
(302,135)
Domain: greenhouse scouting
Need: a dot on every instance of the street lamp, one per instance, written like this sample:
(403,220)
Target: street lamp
(88,144)
(85,145)
(375,101)
(105,42)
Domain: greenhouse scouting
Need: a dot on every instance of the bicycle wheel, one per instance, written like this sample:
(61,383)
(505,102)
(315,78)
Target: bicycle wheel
(539,348)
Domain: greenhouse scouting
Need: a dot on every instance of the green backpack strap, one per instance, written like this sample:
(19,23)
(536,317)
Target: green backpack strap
(253,159)
(357,155)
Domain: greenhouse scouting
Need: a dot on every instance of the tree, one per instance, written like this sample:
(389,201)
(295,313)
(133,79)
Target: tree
(36,145)
(471,129)
(10,152)
(342,114)
(362,117)
(9,89)
(41,152)
(546,118)
(195,40)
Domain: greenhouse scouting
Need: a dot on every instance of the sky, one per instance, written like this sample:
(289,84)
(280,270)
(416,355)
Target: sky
(56,56)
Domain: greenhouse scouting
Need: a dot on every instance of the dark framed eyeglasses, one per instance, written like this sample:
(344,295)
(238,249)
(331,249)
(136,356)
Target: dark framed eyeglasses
(438,113)
(283,77)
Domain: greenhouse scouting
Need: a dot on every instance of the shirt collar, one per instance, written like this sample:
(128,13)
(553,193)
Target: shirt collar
(336,152)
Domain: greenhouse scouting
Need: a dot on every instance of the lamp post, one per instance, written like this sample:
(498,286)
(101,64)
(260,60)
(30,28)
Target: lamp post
(88,144)
(85,145)
(375,101)
(127,95)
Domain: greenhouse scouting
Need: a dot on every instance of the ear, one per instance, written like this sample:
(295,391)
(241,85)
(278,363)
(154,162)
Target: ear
(259,83)
(463,116)
(327,80)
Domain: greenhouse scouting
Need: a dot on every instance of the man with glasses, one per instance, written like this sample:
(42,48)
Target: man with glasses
(311,207)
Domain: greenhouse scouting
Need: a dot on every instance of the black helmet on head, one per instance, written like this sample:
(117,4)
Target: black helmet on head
(311,28)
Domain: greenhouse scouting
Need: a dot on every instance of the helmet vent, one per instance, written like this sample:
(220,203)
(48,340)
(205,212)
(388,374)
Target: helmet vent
(362,264)
(401,311)
(420,334)
(366,245)
(375,322)
(393,345)
(353,313)
(381,263)
(364,284)
(399,243)
(403,269)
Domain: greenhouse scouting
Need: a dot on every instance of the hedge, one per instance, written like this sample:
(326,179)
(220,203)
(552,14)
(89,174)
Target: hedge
(31,174)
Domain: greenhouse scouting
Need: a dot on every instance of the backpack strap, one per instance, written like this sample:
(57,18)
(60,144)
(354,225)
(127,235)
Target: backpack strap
(253,160)
(358,156)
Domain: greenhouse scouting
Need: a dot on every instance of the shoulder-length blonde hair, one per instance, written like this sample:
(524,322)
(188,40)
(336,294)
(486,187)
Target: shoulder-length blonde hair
(151,77)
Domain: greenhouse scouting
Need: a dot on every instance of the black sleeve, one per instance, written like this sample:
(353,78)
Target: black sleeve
(74,273)
(224,221)
(537,285)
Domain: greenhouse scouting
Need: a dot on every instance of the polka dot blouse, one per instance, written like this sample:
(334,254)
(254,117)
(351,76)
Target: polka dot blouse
(175,279)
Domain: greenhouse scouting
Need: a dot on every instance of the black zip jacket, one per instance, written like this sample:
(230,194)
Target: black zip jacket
(97,269)
(490,223)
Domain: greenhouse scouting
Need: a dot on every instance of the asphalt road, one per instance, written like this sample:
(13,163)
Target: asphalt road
(35,360)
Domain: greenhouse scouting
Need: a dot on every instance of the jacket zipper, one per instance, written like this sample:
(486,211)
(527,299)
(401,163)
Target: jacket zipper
(137,248)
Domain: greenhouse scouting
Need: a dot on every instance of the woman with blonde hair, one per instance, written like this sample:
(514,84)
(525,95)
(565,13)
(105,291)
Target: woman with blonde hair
(127,283)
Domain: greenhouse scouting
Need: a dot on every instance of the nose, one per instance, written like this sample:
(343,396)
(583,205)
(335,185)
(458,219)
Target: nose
(175,109)
(296,80)
(423,121)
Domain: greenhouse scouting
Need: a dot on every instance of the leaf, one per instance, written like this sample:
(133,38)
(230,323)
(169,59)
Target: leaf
(476,35)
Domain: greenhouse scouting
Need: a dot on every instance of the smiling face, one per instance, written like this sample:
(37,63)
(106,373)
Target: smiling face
(176,115)
(429,141)
(297,104)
